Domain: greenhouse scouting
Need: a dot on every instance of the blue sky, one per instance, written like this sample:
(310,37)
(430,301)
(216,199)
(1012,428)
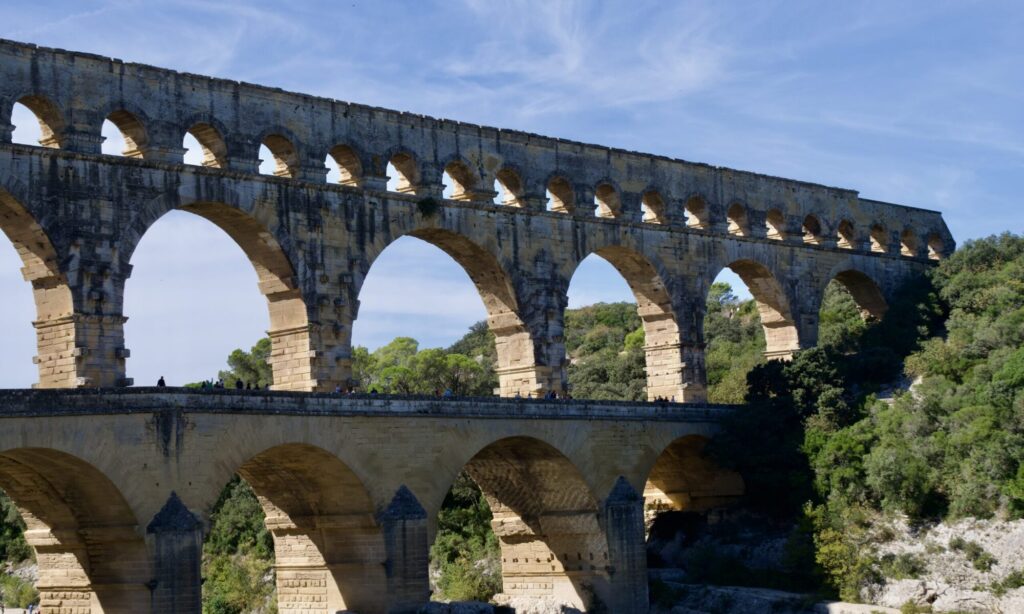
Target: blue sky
(919,103)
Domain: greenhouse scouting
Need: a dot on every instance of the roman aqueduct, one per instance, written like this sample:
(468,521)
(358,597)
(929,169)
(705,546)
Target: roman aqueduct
(115,484)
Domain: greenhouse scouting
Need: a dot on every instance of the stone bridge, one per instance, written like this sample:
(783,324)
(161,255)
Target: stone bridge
(116,487)
(524,211)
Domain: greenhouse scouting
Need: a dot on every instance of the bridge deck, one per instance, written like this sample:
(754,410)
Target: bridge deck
(94,401)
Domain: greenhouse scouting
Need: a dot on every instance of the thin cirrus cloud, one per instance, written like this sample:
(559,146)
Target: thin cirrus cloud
(912,104)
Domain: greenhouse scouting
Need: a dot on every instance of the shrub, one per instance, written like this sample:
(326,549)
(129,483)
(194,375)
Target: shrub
(1015,579)
(906,566)
(16,592)
(975,554)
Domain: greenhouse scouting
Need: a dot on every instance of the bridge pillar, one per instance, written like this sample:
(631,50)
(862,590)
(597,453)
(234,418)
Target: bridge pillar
(630,207)
(63,560)
(585,206)
(81,351)
(540,360)
(177,542)
(627,549)
(555,555)
(404,525)
(326,563)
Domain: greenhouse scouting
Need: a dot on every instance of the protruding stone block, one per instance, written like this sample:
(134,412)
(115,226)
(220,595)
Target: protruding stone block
(177,537)
(627,549)
(404,524)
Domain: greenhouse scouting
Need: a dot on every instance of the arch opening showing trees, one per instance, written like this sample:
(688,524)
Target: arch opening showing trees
(81,530)
(780,332)
(733,336)
(162,285)
(465,290)
(300,515)
(652,347)
(544,519)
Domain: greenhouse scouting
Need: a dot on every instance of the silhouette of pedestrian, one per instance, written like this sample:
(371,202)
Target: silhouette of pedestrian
(160,383)
(239,385)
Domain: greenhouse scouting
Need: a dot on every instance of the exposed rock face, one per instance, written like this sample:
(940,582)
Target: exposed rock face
(957,576)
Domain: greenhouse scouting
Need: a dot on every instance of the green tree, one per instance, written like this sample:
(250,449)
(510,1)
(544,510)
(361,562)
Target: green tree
(466,552)
(252,367)
(238,555)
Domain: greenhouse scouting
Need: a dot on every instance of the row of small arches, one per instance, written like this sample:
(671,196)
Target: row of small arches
(204,145)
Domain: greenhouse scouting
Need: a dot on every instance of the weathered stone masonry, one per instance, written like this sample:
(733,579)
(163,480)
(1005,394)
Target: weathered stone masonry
(116,487)
(668,226)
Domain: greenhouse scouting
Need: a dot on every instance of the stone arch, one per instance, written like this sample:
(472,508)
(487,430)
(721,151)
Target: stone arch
(736,216)
(879,237)
(290,331)
(329,549)
(464,179)
(846,235)
(662,342)
(561,196)
(776,225)
(133,130)
(286,155)
(91,554)
(546,519)
(908,243)
(408,169)
(511,182)
(865,292)
(936,247)
(517,368)
(55,322)
(656,210)
(607,199)
(210,135)
(780,331)
(812,229)
(698,213)
(52,123)
(350,168)
(683,478)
